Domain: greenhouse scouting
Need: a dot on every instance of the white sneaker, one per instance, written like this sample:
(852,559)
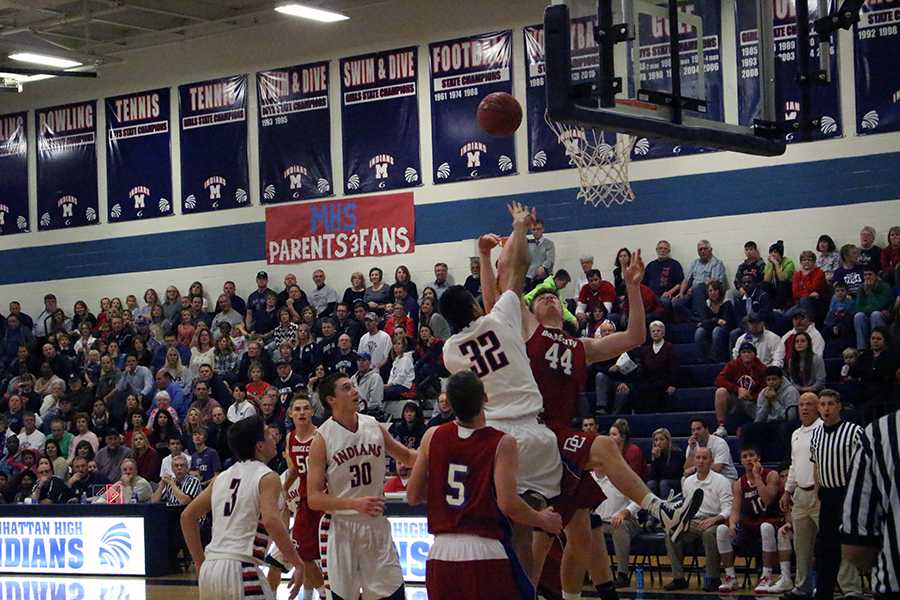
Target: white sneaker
(783,585)
(729,583)
(721,431)
(764,585)
(676,514)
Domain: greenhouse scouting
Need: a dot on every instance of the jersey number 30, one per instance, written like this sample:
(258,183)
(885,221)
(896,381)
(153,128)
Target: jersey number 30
(456,487)
(559,362)
(362,474)
(485,354)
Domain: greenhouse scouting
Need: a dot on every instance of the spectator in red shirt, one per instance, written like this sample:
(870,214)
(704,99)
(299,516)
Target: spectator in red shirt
(653,308)
(620,432)
(400,321)
(594,292)
(737,387)
(809,285)
(890,257)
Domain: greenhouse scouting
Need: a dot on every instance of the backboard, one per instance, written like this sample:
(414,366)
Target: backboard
(652,84)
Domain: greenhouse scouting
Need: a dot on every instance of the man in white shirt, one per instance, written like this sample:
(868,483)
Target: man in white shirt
(619,517)
(323,298)
(30,437)
(802,322)
(375,342)
(800,497)
(769,347)
(716,508)
(721,452)
(175,449)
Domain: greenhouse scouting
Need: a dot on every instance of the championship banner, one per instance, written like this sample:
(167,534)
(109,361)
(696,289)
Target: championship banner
(463,72)
(294,133)
(656,70)
(380,121)
(876,44)
(138,156)
(335,230)
(14,173)
(825,97)
(214,171)
(544,150)
(67,166)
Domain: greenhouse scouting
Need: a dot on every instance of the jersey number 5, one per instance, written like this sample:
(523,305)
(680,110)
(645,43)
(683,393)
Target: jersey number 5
(231,504)
(456,487)
(485,354)
(559,362)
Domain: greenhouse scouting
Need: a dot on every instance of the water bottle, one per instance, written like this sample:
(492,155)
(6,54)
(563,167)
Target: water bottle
(639,578)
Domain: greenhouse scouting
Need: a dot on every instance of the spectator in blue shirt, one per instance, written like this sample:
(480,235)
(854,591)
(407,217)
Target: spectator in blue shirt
(691,296)
(205,461)
(664,274)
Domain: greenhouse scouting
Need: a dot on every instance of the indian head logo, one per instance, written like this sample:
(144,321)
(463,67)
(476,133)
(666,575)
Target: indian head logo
(4,209)
(214,186)
(381,163)
(115,547)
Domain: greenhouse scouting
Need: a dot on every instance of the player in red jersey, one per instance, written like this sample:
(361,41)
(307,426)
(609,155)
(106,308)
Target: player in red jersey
(305,531)
(466,473)
(559,363)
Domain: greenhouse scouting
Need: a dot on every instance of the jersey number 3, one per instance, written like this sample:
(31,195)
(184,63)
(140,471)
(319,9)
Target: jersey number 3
(232,503)
(485,354)
(559,362)
(456,487)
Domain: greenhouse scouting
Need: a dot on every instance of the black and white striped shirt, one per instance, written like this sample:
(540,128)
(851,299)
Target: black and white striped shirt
(831,449)
(872,505)
(190,485)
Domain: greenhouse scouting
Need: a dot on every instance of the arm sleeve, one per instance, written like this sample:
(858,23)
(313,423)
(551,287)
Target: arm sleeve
(863,512)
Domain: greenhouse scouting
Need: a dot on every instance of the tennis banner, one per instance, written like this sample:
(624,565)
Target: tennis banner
(356,227)
(67,166)
(214,171)
(463,72)
(825,97)
(294,133)
(876,39)
(380,121)
(13,173)
(138,156)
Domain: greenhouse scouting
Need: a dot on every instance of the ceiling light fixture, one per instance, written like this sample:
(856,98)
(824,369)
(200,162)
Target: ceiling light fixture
(43,59)
(307,12)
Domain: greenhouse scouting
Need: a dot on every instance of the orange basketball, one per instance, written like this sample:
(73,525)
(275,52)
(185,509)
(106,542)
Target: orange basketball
(499,114)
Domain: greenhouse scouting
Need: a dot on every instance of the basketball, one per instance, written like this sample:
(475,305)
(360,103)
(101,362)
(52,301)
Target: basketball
(499,114)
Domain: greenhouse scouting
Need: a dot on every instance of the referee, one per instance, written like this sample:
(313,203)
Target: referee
(831,449)
(872,508)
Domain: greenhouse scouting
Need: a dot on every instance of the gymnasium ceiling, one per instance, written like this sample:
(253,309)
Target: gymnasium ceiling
(97,32)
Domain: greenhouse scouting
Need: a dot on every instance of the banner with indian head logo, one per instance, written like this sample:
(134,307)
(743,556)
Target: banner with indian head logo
(13,173)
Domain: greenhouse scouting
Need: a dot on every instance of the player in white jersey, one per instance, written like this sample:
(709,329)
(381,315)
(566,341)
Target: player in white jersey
(349,455)
(247,503)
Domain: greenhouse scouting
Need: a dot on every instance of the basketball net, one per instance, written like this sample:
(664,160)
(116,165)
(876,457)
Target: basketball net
(602,160)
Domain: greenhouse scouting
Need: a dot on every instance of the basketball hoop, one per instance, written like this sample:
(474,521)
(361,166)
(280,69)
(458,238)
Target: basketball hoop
(601,157)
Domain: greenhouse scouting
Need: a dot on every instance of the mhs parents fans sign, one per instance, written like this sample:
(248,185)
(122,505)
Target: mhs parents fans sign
(353,228)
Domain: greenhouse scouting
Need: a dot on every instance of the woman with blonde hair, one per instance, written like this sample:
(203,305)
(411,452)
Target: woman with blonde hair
(357,289)
(179,373)
(666,465)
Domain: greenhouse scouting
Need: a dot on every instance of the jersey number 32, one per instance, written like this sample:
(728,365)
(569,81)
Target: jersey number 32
(485,354)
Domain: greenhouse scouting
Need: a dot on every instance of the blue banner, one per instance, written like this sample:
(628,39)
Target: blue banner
(138,156)
(380,121)
(825,97)
(67,166)
(876,42)
(545,151)
(656,70)
(463,72)
(214,171)
(13,173)
(294,133)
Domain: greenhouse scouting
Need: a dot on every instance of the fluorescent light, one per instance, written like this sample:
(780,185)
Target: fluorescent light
(25,78)
(43,59)
(306,12)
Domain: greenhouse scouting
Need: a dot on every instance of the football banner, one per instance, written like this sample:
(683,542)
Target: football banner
(214,171)
(876,41)
(545,152)
(656,70)
(294,133)
(138,156)
(380,121)
(14,173)
(67,166)
(355,227)
(825,97)
(463,72)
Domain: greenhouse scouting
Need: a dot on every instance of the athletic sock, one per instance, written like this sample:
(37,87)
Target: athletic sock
(571,595)
(767,572)
(730,571)
(607,591)
(786,569)
(307,593)
(652,503)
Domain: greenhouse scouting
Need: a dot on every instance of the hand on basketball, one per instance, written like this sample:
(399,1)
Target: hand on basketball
(521,214)
(551,521)
(634,272)
(488,242)
(370,505)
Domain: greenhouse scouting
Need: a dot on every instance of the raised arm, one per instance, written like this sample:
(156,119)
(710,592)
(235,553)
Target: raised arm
(514,257)
(417,486)
(599,349)
(489,291)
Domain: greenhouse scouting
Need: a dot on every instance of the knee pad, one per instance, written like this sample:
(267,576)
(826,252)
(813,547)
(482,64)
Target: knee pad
(767,533)
(785,538)
(723,539)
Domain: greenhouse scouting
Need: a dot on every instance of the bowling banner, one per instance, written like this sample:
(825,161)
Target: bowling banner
(214,171)
(357,227)
(138,156)
(380,121)
(14,173)
(825,97)
(294,133)
(876,41)
(67,166)
(463,72)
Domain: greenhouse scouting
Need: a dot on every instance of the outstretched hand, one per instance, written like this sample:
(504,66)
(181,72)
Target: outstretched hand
(521,214)
(488,242)
(634,272)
